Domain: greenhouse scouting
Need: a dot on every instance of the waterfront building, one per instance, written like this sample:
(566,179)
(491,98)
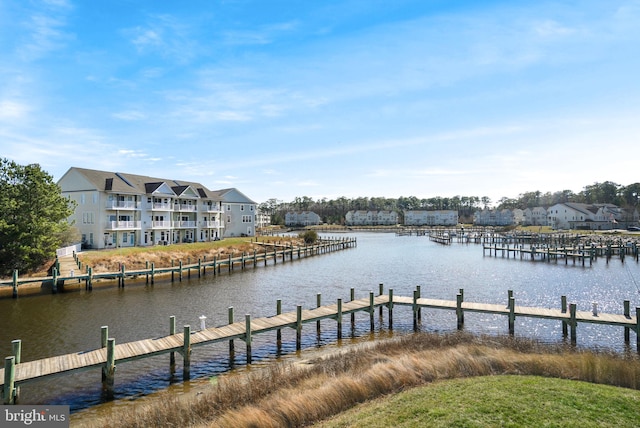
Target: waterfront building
(536,216)
(430,218)
(125,210)
(572,215)
(371,218)
(301,218)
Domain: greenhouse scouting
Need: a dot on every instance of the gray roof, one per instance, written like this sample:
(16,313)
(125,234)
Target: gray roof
(118,182)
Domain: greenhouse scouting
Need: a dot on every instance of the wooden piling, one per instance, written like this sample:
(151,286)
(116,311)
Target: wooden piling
(247,336)
(186,352)
(390,309)
(298,327)
(15,283)
(109,368)
(371,311)
(627,313)
(459,311)
(172,331)
(572,323)
(9,390)
(318,304)
(563,309)
(232,348)
(279,331)
(339,318)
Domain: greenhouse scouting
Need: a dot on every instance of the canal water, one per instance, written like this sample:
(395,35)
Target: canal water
(71,321)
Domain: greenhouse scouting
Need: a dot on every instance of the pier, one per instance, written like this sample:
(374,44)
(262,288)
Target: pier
(579,253)
(274,252)
(16,372)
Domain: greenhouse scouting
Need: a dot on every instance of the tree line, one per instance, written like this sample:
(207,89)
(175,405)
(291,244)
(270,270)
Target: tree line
(333,211)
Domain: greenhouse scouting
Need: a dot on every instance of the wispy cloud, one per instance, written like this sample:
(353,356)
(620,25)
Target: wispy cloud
(163,35)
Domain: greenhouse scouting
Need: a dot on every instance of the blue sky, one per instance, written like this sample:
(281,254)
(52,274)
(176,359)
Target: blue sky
(327,98)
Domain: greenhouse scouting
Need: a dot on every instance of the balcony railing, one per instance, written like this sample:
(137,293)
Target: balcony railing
(159,206)
(123,225)
(161,224)
(184,207)
(123,205)
(184,224)
(210,224)
(211,208)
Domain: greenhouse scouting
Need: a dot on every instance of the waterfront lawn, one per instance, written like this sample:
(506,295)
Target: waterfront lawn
(491,401)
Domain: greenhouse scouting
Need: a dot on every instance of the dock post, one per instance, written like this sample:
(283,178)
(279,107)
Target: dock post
(247,336)
(109,368)
(380,293)
(104,336)
(318,304)
(563,309)
(419,307)
(172,271)
(172,331)
(512,314)
(415,310)
(230,263)
(54,279)
(339,318)
(459,311)
(153,273)
(180,271)
(353,314)
(371,311)
(146,268)
(279,331)
(232,348)
(627,313)
(9,390)
(122,267)
(298,327)
(199,267)
(573,322)
(638,329)
(186,352)
(16,348)
(15,283)
(390,306)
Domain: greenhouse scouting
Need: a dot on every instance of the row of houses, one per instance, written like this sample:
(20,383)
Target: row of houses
(570,215)
(124,210)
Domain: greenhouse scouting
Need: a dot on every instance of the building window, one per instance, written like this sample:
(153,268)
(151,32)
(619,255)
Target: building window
(241,207)
(228,219)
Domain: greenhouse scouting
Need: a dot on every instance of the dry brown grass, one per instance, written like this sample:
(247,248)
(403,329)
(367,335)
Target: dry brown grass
(162,256)
(284,394)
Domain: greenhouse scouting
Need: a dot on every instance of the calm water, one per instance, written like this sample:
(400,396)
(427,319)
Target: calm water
(69,322)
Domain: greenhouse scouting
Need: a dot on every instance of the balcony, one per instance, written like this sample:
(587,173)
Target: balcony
(211,208)
(159,206)
(123,225)
(210,224)
(161,224)
(184,224)
(185,207)
(123,205)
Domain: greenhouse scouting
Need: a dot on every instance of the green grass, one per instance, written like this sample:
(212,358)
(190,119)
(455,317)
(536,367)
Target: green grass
(504,401)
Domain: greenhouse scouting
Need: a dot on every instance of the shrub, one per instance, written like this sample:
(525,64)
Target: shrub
(309,237)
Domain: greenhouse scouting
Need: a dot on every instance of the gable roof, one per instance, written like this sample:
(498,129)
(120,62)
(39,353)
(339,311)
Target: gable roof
(117,182)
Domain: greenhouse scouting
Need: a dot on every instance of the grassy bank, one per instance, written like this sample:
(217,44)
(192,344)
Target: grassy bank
(164,255)
(286,394)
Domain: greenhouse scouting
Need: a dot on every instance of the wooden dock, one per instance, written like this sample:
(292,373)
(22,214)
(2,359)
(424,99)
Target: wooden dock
(16,372)
(580,253)
(271,252)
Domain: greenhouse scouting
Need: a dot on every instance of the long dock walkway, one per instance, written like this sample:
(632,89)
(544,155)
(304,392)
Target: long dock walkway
(271,252)
(16,372)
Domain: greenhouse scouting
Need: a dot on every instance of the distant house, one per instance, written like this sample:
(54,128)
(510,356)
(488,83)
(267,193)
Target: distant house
(125,210)
(430,218)
(371,218)
(301,218)
(536,216)
(239,212)
(572,215)
(489,217)
(262,219)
